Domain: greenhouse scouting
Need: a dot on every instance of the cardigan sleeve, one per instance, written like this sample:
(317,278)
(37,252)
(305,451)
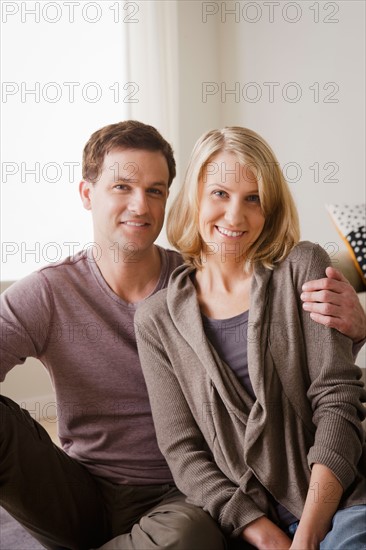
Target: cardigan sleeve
(356,348)
(335,392)
(181,441)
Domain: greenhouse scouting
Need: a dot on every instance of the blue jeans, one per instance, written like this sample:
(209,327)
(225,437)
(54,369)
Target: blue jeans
(348,530)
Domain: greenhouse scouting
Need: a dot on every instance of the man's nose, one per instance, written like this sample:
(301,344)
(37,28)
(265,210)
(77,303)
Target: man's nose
(138,203)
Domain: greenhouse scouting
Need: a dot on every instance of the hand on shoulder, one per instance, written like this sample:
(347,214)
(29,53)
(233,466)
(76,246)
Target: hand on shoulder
(333,302)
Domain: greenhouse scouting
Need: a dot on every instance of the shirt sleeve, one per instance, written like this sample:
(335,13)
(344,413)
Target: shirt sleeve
(25,319)
(181,441)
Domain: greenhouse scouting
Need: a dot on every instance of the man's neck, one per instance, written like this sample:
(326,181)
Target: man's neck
(131,278)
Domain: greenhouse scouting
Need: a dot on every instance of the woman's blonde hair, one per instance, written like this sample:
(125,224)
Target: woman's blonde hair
(281,228)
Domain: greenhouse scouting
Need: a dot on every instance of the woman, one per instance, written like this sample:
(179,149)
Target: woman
(257,409)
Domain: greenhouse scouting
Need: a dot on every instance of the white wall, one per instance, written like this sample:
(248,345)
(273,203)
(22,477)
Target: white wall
(324,127)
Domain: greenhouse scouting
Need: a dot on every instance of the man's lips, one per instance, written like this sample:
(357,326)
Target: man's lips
(228,232)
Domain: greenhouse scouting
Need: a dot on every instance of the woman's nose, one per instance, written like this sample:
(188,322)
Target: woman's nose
(234,213)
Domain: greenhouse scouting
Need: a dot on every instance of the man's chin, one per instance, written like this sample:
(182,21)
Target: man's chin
(131,250)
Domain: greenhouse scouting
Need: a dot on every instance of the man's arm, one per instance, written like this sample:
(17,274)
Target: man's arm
(25,321)
(333,302)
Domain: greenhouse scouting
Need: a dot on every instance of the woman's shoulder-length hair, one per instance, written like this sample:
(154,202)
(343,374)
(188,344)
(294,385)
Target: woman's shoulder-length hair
(281,228)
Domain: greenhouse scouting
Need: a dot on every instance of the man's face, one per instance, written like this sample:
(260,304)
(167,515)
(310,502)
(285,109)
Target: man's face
(128,201)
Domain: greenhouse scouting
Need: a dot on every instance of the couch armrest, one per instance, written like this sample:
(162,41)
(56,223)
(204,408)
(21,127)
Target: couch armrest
(345,264)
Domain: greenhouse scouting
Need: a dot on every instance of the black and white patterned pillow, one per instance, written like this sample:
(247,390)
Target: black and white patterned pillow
(350,220)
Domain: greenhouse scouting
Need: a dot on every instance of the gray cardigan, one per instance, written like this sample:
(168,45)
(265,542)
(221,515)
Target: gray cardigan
(308,409)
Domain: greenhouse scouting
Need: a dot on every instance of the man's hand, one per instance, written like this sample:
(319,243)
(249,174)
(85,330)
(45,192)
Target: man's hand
(333,302)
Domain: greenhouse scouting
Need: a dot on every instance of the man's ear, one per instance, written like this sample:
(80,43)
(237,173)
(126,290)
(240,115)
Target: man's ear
(85,188)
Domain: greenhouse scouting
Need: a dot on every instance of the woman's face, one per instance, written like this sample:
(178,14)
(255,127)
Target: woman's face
(230,213)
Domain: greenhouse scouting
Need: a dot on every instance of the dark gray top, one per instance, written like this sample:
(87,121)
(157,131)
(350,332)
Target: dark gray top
(230,339)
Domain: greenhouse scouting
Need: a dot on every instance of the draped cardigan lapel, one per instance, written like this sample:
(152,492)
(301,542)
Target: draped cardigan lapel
(252,424)
(185,313)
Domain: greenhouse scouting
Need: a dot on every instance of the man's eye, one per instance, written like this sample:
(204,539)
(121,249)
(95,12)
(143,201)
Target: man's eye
(154,191)
(121,187)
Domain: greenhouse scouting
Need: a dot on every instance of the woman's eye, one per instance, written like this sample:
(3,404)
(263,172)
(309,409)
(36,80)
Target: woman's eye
(220,193)
(254,198)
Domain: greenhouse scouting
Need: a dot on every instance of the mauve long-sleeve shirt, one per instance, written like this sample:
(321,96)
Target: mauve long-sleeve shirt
(67,316)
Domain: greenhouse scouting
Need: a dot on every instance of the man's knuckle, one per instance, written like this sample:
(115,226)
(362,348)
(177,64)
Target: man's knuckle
(327,309)
(325,297)
(327,321)
(327,284)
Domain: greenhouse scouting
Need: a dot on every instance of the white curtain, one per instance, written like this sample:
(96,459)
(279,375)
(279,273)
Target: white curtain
(152,72)
(152,54)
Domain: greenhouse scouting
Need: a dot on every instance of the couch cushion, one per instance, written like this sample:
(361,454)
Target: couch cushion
(350,221)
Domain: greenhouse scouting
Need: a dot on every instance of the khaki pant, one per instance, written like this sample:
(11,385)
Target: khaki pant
(65,507)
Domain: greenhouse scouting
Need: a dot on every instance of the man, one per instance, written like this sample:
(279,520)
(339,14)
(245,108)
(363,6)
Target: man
(110,482)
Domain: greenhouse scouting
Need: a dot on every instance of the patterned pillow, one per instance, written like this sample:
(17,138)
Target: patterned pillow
(350,221)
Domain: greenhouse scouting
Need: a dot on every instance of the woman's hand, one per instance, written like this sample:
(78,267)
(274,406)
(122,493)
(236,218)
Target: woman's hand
(265,535)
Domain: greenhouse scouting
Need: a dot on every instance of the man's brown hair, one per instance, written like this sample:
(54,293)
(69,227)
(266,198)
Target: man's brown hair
(128,134)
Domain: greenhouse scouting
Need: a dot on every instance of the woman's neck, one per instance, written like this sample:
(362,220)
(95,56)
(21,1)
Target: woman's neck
(223,276)
(223,291)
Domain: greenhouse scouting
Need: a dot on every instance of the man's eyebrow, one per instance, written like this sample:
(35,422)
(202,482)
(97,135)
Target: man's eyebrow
(159,184)
(132,180)
(125,180)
